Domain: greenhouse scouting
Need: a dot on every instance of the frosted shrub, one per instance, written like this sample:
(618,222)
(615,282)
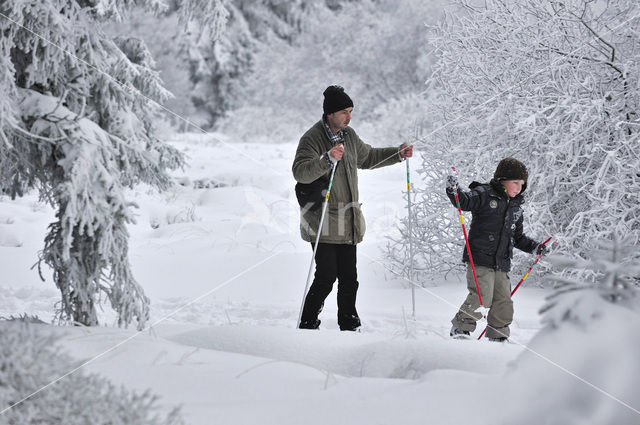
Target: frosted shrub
(612,271)
(436,233)
(30,359)
(553,84)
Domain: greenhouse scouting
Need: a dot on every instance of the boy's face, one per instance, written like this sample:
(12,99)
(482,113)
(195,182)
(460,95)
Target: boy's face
(513,187)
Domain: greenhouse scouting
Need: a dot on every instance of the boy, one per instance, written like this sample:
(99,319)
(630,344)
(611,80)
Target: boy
(495,229)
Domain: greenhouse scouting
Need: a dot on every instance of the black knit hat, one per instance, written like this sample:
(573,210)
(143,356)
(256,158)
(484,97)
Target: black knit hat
(511,169)
(335,99)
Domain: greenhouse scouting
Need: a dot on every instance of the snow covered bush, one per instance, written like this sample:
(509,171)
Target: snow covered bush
(553,84)
(612,271)
(30,363)
(76,122)
(435,231)
(582,366)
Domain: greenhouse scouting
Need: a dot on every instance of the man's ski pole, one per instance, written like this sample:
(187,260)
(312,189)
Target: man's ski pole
(315,246)
(410,232)
(466,240)
(526,275)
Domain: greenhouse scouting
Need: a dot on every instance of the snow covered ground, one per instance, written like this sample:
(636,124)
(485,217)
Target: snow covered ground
(221,259)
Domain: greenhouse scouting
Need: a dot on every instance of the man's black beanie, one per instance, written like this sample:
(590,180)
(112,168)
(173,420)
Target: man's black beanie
(335,99)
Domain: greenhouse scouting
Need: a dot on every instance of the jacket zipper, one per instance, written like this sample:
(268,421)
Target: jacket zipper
(504,219)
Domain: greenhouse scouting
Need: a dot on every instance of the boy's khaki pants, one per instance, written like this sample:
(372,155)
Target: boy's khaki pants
(496,295)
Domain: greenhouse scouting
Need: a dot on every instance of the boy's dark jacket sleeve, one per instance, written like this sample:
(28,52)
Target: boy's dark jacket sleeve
(469,201)
(522,241)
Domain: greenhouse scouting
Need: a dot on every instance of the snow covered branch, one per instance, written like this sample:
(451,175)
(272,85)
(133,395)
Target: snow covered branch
(77,122)
(552,84)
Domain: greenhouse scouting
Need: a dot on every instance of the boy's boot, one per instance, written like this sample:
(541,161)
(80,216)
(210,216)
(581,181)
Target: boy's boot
(458,333)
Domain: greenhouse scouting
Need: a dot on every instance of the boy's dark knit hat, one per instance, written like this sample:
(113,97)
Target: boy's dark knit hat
(335,99)
(511,169)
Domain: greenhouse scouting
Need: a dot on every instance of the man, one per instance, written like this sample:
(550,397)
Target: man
(332,143)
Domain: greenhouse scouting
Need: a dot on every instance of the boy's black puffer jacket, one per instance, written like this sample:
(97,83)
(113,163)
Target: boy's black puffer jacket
(496,225)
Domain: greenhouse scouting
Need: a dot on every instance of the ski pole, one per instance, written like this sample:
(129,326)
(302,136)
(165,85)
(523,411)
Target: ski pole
(466,240)
(526,275)
(409,229)
(315,246)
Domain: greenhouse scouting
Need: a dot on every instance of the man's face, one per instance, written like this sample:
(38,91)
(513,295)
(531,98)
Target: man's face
(340,120)
(513,187)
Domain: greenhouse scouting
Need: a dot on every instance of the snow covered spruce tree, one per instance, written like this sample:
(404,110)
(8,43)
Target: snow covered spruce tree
(31,357)
(220,68)
(554,84)
(76,122)
(611,272)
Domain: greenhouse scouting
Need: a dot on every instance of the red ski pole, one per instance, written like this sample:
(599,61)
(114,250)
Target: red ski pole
(526,275)
(466,240)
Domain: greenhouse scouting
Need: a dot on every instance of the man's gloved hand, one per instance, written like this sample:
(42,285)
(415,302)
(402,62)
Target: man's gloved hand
(542,250)
(452,182)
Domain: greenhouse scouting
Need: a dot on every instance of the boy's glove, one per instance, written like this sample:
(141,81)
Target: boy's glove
(542,250)
(452,182)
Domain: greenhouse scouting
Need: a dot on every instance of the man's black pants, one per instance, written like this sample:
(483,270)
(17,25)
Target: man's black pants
(333,261)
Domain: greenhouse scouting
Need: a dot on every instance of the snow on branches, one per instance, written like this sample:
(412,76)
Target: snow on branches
(554,84)
(611,272)
(77,123)
(88,244)
(31,359)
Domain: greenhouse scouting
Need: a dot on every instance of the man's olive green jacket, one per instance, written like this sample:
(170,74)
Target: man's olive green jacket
(344,222)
